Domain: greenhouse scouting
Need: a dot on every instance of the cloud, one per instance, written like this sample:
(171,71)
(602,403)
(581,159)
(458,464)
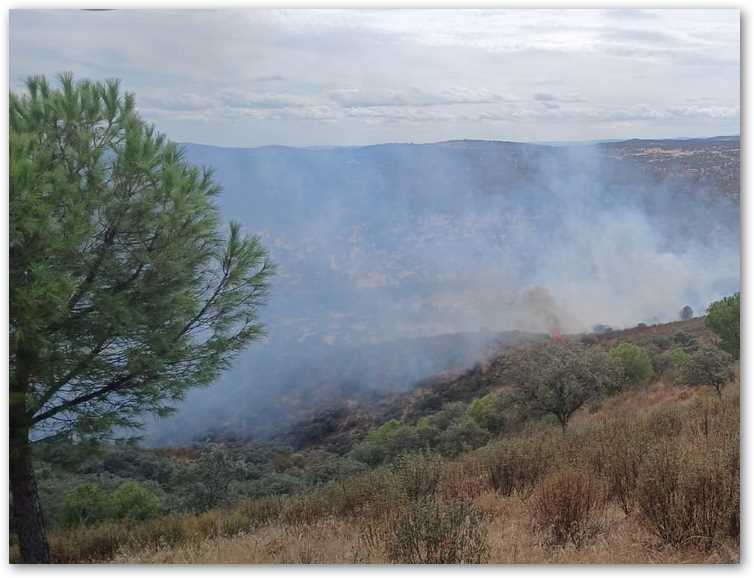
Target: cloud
(177,102)
(252,100)
(254,77)
(544,97)
(365,98)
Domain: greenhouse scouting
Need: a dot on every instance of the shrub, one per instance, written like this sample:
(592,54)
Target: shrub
(567,507)
(386,442)
(368,491)
(662,341)
(684,339)
(432,532)
(464,434)
(633,361)
(622,445)
(369,453)
(132,500)
(262,511)
(493,411)
(272,484)
(708,365)
(86,504)
(516,467)
(216,469)
(305,508)
(419,475)
(689,497)
(465,478)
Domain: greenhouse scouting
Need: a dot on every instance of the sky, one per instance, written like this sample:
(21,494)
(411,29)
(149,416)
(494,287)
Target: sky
(353,77)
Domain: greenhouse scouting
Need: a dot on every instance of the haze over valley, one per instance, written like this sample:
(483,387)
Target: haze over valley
(383,248)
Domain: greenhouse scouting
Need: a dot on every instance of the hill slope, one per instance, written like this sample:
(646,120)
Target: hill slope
(380,243)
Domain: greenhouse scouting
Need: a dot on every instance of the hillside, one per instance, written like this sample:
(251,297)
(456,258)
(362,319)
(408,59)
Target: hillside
(337,428)
(500,495)
(382,243)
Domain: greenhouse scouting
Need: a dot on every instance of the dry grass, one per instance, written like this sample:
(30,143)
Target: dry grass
(632,483)
(568,507)
(510,538)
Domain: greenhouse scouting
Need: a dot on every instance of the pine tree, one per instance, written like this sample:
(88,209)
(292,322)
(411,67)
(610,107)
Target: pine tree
(124,292)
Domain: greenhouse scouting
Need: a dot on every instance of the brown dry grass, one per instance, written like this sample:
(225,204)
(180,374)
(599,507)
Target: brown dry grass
(627,515)
(511,540)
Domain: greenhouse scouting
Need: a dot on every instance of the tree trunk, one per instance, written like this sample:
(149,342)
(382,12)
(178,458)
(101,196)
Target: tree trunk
(26,512)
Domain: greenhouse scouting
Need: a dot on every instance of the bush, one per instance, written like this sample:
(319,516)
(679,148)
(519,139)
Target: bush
(568,507)
(516,467)
(305,508)
(262,511)
(492,412)
(432,532)
(420,475)
(662,341)
(634,363)
(369,453)
(622,445)
(272,484)
(708,365)
(684,339)
(464,434)
(85,505)
(689,497)
(386,442)
(134,501)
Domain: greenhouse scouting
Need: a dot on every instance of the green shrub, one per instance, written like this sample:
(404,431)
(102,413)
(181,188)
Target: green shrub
(132,500)
(273,484)
(634,362)
(708,365)
(494,412)
(462,435)
(85,505)
(386,442)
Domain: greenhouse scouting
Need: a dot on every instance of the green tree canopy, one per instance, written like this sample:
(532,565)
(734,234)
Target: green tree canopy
(708,365)
(633,361)
(724,318)
(559,377)
(124,292)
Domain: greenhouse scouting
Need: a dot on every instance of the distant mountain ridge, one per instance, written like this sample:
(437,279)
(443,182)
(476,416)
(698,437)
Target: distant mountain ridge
(589,142)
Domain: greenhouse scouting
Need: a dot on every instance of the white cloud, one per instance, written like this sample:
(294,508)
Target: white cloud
(304,77)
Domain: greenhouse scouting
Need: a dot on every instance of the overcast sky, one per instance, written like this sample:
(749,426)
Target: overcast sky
(340,77)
